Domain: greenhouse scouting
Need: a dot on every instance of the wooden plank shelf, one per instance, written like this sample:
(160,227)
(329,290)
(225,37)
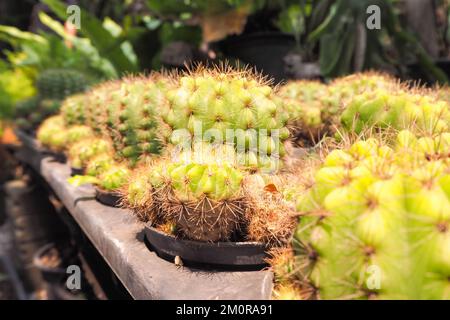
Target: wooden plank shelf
(118,236)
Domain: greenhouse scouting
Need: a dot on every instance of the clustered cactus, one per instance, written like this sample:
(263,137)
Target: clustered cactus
(376,221)
(230,106)
(204,200)
(396,109)
(375,215)
(162,142)
(314,109)
(364,212)
(130,119)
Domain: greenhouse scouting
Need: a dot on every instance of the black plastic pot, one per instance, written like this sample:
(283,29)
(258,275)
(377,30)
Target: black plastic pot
(416,72)
(222,255)
(53,275)
(108,198)
(76,171)
(57,156)
(264,50)
(444,64)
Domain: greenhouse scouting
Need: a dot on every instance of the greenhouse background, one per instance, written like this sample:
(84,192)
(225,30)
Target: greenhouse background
(225,150)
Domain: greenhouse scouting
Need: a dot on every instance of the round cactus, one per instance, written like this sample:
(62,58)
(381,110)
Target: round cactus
(23,111)
(131,119)
(73,110)
(99,164)
(137,196)
(203,199)
(78,133)
(81,152)
(314,108)
(98,99)
(60,83)
(114,177)
(375,222)
(224,105)
(307,117)
(52,133)
(396,109)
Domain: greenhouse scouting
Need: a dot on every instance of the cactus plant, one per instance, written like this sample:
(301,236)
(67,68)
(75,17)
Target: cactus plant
(52,133)
(376,222)
(110,179)
(313,108)
(205,200)
(83,151)
(199,190)
(307,118)
(131,120)
(397,109)
(73,110)
(53,86)
(26,113)
(225,105)
(60,83)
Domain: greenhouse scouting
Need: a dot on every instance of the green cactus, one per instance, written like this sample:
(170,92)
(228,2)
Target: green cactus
(99,164)
(306,113)
(52,133)
(84,150)
(376,222)
(114,178)
(209,102)
(73,110)
(203,199)
(314,108)
(23,111)
(58,84)
(396,109)
(131,119)
(111,179)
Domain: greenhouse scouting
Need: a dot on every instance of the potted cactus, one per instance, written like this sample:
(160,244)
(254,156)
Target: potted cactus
(162,143)
(373,201)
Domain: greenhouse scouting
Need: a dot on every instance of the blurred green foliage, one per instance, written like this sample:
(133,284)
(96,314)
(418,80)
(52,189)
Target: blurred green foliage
(347,45)
(15,85)
(108,45)
(185,7)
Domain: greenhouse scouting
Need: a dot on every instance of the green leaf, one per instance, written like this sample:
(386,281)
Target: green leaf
(116,30)
(107,45)
(344,65)
(16,34)
(15,85)
(52,24)
(169,6)
(331,47)
(324,26)
(292,20)
(100,65)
